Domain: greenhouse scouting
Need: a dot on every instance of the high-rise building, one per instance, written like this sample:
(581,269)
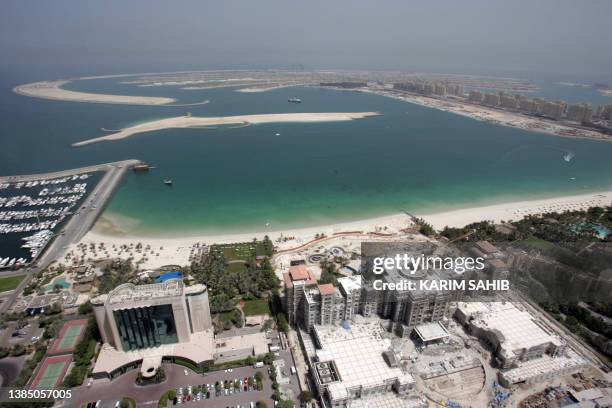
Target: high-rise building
(405,309)
(491,99)
(605,112)
(553,110)
(145,325)
(509,101)
(297,280)
(350,288)
(529,105)
(135,317)
(458,90)
(475,96)
(308,303)
(429,88)
(580,112)
(439,89)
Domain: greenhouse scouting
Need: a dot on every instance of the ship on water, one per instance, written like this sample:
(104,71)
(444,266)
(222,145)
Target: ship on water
(141,167)
(294,100)
(168,182)
(568,156)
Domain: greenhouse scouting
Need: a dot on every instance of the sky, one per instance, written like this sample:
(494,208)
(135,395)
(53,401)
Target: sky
(466,36)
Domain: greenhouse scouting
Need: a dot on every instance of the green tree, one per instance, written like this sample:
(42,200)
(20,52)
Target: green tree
(85,308)
(426,229)
(281,323)
(305,396)
(268,246)
(18,350)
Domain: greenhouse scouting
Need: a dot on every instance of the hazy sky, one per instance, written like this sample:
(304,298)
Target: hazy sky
(565,36)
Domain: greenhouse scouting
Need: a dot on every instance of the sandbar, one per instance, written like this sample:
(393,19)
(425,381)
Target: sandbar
(194,121)
(53,90)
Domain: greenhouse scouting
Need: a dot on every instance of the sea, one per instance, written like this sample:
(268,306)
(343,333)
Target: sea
(282,176)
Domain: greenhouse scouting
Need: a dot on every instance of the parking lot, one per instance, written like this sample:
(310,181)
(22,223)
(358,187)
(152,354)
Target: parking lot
(12,335)
(109,392)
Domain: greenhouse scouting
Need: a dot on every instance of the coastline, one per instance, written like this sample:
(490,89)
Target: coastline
(193,121)
(496,116)
(177,249)
(52,90)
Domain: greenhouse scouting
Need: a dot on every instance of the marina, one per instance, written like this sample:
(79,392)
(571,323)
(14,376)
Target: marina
(36,210)
(32,212)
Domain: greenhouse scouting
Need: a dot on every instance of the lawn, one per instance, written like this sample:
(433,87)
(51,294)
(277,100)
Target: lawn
(236,267)
(256,307)
(10,282)
(241,250)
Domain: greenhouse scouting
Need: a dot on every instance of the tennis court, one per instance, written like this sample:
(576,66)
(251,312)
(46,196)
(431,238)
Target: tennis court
(68,337)
(51,373)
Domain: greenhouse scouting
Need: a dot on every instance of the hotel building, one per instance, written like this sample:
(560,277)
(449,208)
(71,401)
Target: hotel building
(146,325)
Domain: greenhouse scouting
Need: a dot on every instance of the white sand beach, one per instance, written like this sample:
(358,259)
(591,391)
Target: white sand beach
(53,90)
(194,121)
(173,250)
(266,88)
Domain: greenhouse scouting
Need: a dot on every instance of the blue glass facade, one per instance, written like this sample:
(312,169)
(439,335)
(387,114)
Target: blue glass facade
(146,326)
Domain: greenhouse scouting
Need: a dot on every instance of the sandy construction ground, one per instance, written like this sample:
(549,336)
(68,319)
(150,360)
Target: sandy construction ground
(53,90)
(193,121)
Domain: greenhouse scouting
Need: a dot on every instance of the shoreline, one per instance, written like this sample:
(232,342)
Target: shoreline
(496,116)
(194,121)
(53,90)
(177,249)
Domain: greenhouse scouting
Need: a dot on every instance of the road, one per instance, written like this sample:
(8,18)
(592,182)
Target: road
(79,223)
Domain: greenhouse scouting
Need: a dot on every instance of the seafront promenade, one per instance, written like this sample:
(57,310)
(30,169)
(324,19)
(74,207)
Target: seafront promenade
(79,223)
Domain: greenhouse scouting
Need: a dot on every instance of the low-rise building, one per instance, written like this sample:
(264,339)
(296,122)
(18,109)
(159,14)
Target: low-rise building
(513,334)
(349,364)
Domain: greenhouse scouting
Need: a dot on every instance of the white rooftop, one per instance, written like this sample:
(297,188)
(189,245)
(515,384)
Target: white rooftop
(129,292)
(198,349)
(545,364)
(518,327)
(357,354)
(350,283)
(431,331)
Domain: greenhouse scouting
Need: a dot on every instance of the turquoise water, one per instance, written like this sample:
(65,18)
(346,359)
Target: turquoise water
(60,281)
(234,180)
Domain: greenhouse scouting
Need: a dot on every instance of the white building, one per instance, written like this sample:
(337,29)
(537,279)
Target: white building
(349,365)
(512,333)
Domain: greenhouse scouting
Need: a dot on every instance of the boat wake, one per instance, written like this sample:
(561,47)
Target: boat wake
(188,104)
